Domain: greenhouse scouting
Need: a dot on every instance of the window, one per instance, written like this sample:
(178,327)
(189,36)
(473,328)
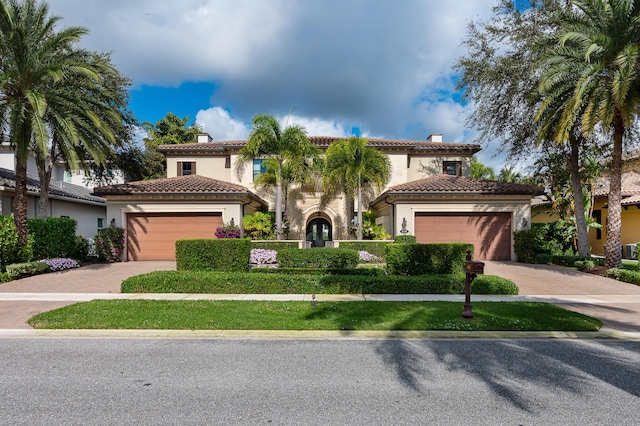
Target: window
(453,168)
(100,223)
(227,162)
(186,168)
(67,176)
(258,167)
(597,216)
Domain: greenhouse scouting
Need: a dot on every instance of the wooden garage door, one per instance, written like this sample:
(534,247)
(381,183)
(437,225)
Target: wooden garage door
(490,233)
(152,236)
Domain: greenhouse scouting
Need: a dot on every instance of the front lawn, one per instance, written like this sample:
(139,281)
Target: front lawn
(270,315)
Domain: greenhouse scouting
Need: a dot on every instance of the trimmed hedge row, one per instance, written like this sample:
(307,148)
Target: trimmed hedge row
(626,275)
(274,245)
(225,254)
(234,283)
(27,269)
(376,248)
(270,283)
(547,259)
(321,271)
(421,259)
(324,257)
(403,239)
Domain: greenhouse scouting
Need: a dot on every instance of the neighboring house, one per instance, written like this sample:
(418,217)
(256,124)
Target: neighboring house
(431,195)
(65,200)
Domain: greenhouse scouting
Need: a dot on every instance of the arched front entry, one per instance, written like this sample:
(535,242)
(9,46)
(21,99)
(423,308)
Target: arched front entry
(319,231)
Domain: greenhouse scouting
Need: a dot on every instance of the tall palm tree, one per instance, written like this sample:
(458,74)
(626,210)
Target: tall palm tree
(83,116)
(509,174)
(34,59)
(290,147)
(599,56)
(350,164)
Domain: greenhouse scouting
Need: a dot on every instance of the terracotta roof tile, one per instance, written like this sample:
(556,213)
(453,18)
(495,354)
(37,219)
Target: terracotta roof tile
(461,184)
(630,184)
(325,141)
(180,184)
(631,201)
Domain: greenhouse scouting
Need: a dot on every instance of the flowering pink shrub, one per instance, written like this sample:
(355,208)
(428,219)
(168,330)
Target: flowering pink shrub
(61,264)
(365,256)
(262,257)
(228,231)
(110,244)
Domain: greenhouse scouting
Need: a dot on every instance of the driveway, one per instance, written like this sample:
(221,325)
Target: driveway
(615,303)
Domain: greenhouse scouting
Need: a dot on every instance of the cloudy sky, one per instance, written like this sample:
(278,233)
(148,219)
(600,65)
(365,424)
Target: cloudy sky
(383,66)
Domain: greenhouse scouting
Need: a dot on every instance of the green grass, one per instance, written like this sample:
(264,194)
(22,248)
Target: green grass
(263,315)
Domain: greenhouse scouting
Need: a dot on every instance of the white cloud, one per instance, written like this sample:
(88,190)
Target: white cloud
(220,126)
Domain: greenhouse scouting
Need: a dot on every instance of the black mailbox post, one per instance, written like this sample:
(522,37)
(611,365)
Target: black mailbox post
(472,269)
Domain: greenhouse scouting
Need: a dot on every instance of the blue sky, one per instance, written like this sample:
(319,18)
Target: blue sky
(383,66)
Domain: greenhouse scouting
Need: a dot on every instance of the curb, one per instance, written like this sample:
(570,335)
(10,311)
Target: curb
(312,335)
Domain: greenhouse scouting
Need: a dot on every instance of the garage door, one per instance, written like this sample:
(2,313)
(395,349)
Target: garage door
(490,233)
(153,236)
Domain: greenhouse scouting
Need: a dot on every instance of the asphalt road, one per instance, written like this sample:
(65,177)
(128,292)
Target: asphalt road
(210,381)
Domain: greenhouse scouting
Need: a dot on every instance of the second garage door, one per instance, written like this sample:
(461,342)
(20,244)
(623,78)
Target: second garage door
(490,233)
(153,236)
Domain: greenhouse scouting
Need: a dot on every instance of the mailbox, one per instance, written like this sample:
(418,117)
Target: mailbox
(473,267)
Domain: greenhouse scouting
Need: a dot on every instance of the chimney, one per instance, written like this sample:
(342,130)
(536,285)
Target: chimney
(435,137)
(204,137)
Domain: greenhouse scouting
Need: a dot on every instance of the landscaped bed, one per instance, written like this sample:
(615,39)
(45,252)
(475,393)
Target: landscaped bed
(270,315)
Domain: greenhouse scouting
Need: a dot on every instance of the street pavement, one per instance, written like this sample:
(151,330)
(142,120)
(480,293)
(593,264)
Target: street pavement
(615,303)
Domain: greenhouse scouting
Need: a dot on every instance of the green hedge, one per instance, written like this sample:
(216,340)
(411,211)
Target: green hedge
(547,259)
(321,271)
(4,277)
(403,239)
(492,284)
(55,238)
(9,246)
(545,238)
(27,269)
(274,245)
(324,257)
(376,248)
(241,283)
(226,254)
(420,259)
(625,275)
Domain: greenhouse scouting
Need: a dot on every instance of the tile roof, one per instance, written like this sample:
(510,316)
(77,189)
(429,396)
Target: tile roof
(325,141)
(630,184)
(462,184)
(631,201)
(56,187)
(182,184)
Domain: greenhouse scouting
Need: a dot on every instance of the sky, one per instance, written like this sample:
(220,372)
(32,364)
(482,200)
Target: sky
(381,66)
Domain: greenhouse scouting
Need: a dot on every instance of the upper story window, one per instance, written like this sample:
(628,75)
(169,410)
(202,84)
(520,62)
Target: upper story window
(67,176)
(259,166)
(452,168)
(186,168)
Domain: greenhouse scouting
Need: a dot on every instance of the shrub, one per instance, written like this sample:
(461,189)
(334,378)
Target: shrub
(584,265)
(366,257)
(259,226)
(263,257)
(228,231)
(21,270)
(491,284)
(231,254)
(82,249)
(54,237)
(61,264)
(9,244)
(545,238)
(625,275)
(321,271)
(420,259)
(547,259)
(4,277)
(110,244)
(376,248)
(403,239)
(323,257)
(631,265)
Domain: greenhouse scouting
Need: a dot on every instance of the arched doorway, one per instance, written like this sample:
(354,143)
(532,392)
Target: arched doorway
(319,232)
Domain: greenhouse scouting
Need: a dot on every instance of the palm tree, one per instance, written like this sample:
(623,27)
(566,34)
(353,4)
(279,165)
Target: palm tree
(83,116)
(290,148)
(34,61)
(509,174)
(599,57)
(350,164)
(481,171)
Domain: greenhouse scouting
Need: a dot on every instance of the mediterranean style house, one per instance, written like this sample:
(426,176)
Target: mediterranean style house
(431,195)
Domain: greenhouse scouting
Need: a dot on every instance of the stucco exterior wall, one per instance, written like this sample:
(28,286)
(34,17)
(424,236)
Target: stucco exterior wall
(210,166)
(423,166)
(399,168)
(630,227)
(86,215)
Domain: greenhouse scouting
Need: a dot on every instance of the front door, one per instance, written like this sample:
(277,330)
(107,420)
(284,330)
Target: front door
(318,232)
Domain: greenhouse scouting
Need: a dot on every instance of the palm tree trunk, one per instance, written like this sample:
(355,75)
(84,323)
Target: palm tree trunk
(359,236)
(584,248)
(44,175)
(20,206)
(614,217)
(279,202)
